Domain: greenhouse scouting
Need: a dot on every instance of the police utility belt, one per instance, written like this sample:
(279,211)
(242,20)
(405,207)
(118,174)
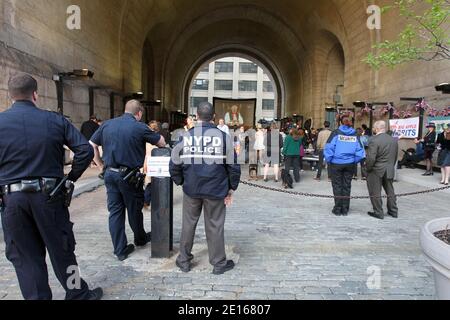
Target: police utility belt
(56,189)
(134,177)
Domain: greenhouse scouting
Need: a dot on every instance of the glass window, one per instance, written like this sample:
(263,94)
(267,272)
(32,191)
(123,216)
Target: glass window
(268,104)
(200,84)
(224,67)
(197,100)
(248,67)
(224,85)
(267,86)
(248,86)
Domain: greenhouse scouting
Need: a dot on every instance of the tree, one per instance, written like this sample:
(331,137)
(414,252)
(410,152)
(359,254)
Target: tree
(425,37)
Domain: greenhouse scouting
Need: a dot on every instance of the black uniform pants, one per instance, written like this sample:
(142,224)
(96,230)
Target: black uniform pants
(342,176)
(215,212)
(31,226)
(122,196)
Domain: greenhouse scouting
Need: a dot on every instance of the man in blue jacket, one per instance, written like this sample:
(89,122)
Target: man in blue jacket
(204,163)
(343,151)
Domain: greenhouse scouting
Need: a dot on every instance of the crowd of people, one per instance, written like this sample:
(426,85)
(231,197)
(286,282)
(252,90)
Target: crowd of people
(33,182)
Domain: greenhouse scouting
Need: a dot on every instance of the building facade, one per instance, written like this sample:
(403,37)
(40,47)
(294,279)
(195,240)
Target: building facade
(235,78)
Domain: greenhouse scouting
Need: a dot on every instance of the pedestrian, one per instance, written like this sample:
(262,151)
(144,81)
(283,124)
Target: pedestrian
(322,139)
(303,147)
(31,168)
(444,155)
(190,123)
(382,156)
(342,152)
(89,127)
(365,143)
(165,132)
(223,127)
(259,146)
(367,130)
(124,147)
(291,152)
(154,126)
(272,156)
(429,146)
(209,176)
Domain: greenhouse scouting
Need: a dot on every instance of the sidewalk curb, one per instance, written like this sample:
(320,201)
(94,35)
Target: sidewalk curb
(89,186)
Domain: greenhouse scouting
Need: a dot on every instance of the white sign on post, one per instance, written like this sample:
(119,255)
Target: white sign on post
(405,128)
(158,167)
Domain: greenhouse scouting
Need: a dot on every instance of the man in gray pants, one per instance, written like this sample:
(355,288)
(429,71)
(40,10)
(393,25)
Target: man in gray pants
(381,160)
(205,164)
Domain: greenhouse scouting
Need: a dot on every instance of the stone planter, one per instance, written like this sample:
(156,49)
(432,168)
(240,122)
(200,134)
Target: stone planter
(437,254)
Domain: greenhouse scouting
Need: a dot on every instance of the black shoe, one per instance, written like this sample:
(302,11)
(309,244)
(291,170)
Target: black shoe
(428,174)
(337,212)
(266,180)
(184,268)
(395,216)
(376,216)
(344,213)
(128,250)
(221,270)
(95,294)
(148,240)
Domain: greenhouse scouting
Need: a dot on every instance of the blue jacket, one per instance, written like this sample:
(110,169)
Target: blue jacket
(344,147)
(205,164)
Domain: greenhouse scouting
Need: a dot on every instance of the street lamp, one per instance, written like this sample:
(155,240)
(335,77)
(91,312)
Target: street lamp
(444,88)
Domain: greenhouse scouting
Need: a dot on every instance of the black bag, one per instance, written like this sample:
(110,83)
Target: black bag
(286,178)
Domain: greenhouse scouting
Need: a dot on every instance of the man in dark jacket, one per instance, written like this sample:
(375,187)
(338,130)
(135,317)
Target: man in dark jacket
(343,151)
(89,127)
(204,163)
(382,156)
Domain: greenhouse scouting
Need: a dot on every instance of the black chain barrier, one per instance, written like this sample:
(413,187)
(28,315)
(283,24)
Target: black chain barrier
(322,196)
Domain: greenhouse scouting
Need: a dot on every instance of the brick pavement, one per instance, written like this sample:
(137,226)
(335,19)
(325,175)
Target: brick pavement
(285,247)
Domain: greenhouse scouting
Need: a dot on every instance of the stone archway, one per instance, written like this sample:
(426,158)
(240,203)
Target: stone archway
(247,53)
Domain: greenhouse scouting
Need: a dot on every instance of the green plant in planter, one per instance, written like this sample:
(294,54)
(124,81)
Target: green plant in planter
(426,35)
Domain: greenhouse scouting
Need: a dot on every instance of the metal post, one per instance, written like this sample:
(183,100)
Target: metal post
(111,105)
(162,212)
(422,116)
(371,118)
(60,95)
(91,101)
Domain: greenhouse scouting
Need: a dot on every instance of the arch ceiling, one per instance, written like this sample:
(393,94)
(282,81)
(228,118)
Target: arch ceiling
(283,33)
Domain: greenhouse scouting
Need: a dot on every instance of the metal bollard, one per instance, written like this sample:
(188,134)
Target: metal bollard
(162,208)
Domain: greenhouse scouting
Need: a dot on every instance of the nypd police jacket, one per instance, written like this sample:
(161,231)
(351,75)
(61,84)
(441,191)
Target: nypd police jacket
(205,164)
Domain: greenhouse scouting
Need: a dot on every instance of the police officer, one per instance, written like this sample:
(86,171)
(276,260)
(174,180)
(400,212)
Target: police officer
(31,167)
(124,146)
(204,162)
(342,152)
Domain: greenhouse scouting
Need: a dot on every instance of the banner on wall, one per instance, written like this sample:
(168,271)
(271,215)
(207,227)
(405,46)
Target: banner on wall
(440,122)
(405,128)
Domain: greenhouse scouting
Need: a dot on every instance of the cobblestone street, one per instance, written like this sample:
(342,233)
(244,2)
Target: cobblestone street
(285,247)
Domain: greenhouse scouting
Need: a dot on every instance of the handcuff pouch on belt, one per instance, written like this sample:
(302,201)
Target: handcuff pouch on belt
(64,190)
(135,178)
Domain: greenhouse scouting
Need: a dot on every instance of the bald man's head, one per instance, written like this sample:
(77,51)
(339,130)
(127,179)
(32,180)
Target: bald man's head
(135,108)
